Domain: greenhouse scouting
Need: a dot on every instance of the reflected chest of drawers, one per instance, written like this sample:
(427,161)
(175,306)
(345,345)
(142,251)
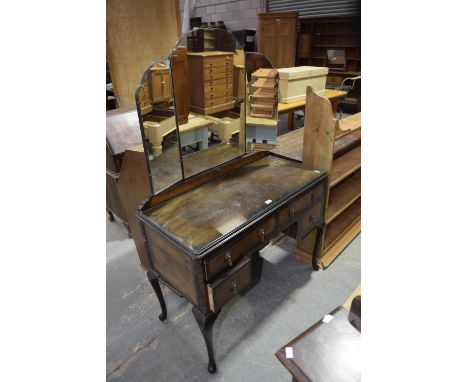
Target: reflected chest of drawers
(213,72)
(203,235)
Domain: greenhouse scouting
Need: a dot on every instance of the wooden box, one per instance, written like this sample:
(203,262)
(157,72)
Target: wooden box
(294,81)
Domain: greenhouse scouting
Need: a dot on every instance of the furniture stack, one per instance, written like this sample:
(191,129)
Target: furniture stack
(264,93)
(212,74)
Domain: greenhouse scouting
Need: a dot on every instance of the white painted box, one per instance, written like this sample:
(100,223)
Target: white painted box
(293,82)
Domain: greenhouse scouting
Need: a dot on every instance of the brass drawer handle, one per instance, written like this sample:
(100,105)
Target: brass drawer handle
(261,234)
(234,287)
(291,212)
(228,259)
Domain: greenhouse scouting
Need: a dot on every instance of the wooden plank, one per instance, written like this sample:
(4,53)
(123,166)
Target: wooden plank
(342,196)
(319,132)
(138,32)
(332,95)
(338,228)
(344,166)
(333,252)
(351,123)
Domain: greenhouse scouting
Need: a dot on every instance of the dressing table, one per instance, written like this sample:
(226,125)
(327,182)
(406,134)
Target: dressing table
(204,225)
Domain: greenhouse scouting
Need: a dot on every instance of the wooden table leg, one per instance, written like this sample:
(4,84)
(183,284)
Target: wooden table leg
(205,323)
(153,278)
(291,120)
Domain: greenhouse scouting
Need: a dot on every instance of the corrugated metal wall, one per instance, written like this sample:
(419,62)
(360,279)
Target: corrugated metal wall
(317,8)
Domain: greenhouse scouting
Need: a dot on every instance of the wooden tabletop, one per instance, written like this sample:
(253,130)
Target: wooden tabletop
(326,352)
(329,93)
(231,201)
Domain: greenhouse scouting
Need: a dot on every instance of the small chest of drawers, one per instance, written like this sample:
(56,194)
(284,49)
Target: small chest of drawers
(215,72)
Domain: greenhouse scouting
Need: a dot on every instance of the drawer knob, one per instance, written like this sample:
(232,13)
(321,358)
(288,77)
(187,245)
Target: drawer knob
(261,234)
(311,217)
(291,212)
(234,287)
(228,259)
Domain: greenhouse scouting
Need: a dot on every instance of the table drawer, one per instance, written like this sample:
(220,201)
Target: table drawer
(311,218)
(235,252)
(225,93)
(218,81)
(228,285)
(210,75)
(294,208)
(217,101)
(218,87)
(212,62)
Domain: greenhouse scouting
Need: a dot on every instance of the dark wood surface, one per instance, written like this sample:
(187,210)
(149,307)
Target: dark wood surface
(200,216)
(326,352)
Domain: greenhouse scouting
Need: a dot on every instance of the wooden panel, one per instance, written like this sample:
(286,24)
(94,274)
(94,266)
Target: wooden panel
(336,229)
(342,196)
(286,43)
(138,32)
(222,290)
(319,132)
(113,203)
(133,188)
(174,266)
(345,165)
(332,252)
(267,40)
(179,73)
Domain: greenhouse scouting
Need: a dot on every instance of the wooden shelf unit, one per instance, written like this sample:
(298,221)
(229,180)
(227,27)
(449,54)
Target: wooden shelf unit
(342,160)
(319,34)
(342,196)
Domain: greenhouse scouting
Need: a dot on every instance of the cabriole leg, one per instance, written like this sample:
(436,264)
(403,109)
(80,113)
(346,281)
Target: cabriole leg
(153,278)
(317,246)
(205,323)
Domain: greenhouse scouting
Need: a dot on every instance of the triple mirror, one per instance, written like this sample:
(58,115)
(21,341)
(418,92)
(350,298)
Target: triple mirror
(206,104)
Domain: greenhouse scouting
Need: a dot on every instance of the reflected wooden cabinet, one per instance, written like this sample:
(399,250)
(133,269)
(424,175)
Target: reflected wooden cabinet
(277,37)
(211,74)
(160,83)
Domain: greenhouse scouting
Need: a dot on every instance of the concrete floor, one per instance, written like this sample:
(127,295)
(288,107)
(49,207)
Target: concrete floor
(247,333)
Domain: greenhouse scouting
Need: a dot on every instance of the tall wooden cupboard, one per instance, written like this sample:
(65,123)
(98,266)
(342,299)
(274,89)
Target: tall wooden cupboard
(277,37)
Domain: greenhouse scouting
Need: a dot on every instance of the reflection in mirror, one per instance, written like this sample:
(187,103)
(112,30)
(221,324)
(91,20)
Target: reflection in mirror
(210,100)
(262,105)
(155,106)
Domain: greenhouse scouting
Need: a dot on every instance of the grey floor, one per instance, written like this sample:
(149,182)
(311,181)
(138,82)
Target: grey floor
(247,333)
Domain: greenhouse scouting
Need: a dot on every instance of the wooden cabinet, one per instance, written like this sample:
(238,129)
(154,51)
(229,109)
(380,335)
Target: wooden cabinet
(211,86)
(277,37)
(160,83)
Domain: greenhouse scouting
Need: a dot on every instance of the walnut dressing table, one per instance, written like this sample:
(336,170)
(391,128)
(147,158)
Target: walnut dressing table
(203,236)
(213,207)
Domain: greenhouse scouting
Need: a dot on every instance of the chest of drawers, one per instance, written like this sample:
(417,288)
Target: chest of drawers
(211,89)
